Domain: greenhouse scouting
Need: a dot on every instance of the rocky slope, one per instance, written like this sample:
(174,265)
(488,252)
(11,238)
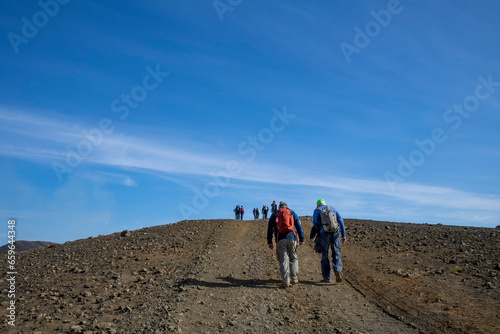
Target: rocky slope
(218,276)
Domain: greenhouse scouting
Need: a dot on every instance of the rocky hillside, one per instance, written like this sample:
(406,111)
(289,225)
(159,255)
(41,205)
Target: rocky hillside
(218,276)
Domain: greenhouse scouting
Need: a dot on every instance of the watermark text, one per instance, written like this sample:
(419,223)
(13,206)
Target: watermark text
(248,150)
(11,273)
(223,6)
(454,117)
(30,27)
(121,107)
(363,36)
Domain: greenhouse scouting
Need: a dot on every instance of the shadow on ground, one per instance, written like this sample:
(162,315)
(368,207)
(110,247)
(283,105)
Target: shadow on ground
(231,282)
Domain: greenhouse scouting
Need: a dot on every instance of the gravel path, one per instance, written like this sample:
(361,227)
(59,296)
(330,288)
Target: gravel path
(218,276)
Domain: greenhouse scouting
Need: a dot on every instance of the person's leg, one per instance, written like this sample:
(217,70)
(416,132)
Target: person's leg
(284,261)
(325,262)
(294,261)
(336,258)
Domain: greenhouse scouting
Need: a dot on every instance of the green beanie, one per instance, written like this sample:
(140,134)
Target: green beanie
(320,202)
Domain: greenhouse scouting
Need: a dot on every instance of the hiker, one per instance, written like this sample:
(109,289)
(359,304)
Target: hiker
(257,213)
(287,230)
(255,216)
(265,209)
(274,207)
(242,211)
(327,240)
(237,211)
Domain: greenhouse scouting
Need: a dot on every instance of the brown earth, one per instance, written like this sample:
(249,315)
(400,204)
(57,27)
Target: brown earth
(218,276)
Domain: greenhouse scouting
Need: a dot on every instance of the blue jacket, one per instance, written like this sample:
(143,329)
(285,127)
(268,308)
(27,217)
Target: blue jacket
(272,229)
(317,220)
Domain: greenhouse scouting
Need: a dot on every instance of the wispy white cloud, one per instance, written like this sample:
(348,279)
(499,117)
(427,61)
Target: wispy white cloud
(129,182)
(37,138)
(161,157)
(109,178)
(417,194)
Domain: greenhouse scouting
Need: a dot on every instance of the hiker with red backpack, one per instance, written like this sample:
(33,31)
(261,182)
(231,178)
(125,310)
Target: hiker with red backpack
(274,207)
(287,230)
(242,211)
(328,225)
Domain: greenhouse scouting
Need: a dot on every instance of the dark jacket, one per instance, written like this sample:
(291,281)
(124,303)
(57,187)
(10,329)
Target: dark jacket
(272,229)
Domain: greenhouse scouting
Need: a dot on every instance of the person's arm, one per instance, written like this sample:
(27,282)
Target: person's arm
(270,230)
(314,231)
(298,227)
(315,219)
(342,227)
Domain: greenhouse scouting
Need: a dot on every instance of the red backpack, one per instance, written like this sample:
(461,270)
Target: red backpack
(284,221)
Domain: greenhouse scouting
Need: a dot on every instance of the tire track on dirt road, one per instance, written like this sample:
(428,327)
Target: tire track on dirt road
(234,288)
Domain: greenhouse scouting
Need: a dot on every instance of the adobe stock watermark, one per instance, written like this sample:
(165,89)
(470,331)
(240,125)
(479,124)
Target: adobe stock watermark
(248,150)
(363,37)
(120,106)
(11,273)
(223,6)
(48,10)
(454,117)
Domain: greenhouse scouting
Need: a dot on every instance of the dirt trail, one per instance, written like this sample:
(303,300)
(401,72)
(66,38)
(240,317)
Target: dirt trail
(218,276)
(235,290)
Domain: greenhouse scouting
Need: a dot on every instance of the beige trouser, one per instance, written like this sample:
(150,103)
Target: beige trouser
(287,257)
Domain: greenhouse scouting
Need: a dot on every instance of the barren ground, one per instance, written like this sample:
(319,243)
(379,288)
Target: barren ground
(218,276)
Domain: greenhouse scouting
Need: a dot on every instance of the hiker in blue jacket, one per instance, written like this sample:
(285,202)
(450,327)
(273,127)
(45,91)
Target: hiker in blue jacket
(237,211)
(327,241)
(286,244)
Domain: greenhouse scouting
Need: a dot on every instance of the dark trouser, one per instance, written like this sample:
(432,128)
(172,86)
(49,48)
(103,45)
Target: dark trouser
(330,240)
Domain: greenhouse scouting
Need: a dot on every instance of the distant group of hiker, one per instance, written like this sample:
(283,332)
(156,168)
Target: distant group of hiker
(328,229)
(239,211)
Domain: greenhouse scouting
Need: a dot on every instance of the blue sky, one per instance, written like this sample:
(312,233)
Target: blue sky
(120,115)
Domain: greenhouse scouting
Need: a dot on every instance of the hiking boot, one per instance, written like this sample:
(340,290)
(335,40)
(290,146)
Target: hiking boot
(326,280)
(295,280)
(338,277)
(285,285)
